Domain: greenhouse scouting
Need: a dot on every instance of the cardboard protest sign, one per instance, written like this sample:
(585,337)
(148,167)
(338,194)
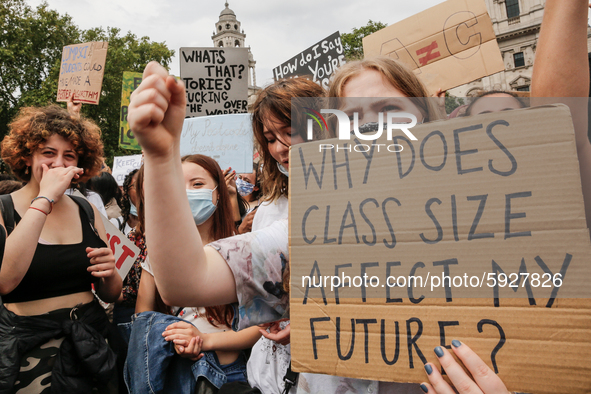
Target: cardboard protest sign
(226,138)
(81,72)
(123,249)
(472,199)
(318,62)
(216,80)
(447,45)
(130,82)
(123,165)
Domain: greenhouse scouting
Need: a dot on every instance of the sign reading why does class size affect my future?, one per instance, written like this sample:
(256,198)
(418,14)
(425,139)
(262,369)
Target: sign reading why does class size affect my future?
(81,72)
(471,199)
(215,79)
(226,138)
(447,45)
(318,62)
(130,82)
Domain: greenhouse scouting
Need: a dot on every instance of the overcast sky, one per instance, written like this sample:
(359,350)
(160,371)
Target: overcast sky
(275,30)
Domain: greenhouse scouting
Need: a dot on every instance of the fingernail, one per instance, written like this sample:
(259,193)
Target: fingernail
(456,343)
(429,369)
(439,351)
(424,388)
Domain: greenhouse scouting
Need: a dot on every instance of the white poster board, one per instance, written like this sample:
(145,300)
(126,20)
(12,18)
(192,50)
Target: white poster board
(226,138)
(123,165)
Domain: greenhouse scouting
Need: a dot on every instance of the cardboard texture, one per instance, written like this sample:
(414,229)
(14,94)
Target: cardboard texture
(226,138)
(123,165)
(123,249)
(130,82)
(318,63)
(81,72)
(474,196)
(216,80)
(447,45)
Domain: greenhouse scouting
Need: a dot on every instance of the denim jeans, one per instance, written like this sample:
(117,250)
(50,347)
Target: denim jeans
(152,365)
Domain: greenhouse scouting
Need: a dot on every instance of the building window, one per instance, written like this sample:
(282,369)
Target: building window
(523,89)
(220,27)
(235,27)
(228,26)
(512,8)
(236,43)
(221,44)
(519,59)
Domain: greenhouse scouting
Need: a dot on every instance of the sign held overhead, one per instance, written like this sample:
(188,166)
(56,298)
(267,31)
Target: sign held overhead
(81,72)
(447,45)
(317,63)
(216,80)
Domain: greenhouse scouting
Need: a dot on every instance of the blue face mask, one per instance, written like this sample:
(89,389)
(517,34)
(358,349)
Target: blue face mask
(132,209)
(283,170)
(201,205)
(244,187)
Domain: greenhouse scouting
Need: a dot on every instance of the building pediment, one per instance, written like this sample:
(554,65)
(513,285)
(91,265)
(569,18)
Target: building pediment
(520,81)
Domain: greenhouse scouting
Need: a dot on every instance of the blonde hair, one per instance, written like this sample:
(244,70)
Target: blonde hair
(394,72)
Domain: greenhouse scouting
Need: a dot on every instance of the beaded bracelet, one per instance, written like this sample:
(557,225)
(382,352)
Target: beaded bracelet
(40,210)
(48,200)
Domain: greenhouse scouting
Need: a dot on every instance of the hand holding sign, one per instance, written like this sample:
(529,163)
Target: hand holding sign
(157,110)
(74,107)
(485,380)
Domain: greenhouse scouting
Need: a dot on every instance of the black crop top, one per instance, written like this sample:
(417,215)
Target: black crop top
(58,270)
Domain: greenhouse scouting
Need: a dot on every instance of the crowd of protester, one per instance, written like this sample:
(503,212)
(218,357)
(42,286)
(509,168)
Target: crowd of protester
(207,309)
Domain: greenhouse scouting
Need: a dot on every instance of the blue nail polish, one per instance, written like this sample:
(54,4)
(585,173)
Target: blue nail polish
(424,388)
(439,351)
(429,369)
(456,343)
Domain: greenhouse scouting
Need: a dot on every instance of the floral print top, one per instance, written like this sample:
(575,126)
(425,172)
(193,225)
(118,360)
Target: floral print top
(258,261)
(131,283)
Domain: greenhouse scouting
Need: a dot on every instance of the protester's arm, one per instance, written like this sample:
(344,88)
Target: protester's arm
(182,332)
(276,333)
(561,70)
(102,265)
(74,108)
(483,380)
(22,242)
(156,115)
(146,294)
(230,176)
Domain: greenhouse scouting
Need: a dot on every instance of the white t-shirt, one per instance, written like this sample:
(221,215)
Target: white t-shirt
(269,212)
(94,198)
(267,365)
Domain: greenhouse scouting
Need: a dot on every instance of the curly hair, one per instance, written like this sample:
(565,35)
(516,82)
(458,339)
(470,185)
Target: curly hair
(33,126)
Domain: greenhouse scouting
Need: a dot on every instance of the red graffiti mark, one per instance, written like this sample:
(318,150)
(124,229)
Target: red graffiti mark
(430,55)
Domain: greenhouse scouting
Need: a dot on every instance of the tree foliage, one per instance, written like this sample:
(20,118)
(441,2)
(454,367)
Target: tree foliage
(31,43)
(353,42)
(452,102)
